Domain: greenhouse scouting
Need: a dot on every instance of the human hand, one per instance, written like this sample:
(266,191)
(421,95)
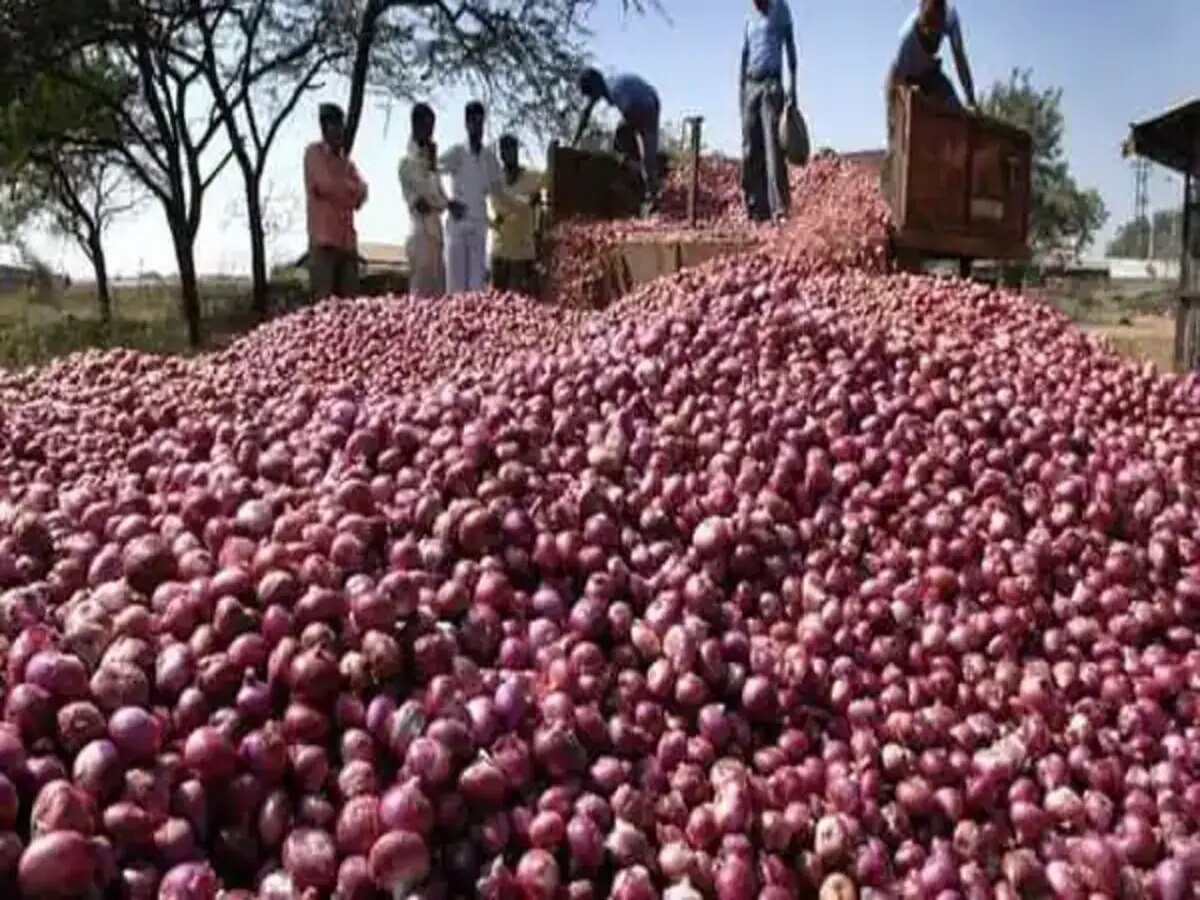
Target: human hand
(421,206)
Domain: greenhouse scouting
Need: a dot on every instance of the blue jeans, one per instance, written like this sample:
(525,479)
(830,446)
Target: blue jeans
(764,169)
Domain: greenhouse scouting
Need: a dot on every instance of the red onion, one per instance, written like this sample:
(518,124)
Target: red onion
(398,860)
(310,858)
(56,865)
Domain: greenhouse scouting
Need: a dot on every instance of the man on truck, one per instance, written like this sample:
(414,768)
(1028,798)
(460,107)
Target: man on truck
(640,110)
(917,64)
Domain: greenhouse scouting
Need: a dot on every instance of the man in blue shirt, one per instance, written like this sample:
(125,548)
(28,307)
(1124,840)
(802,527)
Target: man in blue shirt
(917,63)
(768,36)
(640,110)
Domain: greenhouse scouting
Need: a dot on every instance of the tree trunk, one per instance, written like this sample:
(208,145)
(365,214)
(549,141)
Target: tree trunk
(189,289)
(359,70)
(260,296)
(100,267)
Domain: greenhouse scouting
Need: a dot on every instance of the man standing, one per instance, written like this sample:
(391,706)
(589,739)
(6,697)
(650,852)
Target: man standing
(474,175)
(422,189)
(768,36)
(640,110)
(333,192)
(513,250)
(917,64)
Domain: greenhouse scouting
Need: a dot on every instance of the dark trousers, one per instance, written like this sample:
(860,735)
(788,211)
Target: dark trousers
(517,275)
(764,169)
(332,272)
(934,84)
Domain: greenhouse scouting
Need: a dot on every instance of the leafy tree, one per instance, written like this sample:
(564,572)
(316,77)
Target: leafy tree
(259,58)
(522,56)
(126,59)
(78,195)
(1064,215)
(75,189)
(1133,239)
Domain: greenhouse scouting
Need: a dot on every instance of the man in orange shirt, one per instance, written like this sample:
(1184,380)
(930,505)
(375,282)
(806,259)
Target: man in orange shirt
(333,190)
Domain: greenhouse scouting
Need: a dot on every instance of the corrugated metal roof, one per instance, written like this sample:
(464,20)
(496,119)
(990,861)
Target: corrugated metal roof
(1169,139)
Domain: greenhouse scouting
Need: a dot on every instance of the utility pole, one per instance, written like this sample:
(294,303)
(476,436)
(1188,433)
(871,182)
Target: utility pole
(1141,201)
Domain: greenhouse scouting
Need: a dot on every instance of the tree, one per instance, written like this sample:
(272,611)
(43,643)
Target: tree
(76,191)
(259,58)
(150,91)
(523,56)
(1064,215)
(78,195)
(1136,240)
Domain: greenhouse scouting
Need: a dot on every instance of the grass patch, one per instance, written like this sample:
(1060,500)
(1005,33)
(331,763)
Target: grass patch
(36,327)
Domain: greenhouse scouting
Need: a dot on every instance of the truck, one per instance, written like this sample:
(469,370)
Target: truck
(959,184)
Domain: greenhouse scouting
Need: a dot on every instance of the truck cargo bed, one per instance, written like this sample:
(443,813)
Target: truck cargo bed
(959,185)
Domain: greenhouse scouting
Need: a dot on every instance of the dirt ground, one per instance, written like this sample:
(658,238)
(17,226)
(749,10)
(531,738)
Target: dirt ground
(1138,319)
(1148,337)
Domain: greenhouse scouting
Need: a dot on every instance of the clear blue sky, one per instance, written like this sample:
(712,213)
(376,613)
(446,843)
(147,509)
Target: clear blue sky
(1115,61)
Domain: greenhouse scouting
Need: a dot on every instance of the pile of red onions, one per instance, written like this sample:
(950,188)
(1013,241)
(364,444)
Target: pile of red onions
(838,220)
(782,577)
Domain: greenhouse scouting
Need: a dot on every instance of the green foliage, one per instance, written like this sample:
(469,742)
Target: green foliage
(1132,239)
(521,57)
(1065,216)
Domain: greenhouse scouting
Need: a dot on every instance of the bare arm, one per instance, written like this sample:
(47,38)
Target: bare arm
(959,49)
(789,48)
(583,122)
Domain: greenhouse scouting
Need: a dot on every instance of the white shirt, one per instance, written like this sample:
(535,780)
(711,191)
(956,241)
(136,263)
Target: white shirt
(473,176)
(419,182)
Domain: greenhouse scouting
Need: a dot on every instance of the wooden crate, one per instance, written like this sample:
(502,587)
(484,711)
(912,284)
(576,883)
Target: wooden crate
(959,184)
(589,185)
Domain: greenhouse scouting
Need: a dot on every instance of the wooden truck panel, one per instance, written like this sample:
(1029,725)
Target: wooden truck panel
(959,184)
(589,185)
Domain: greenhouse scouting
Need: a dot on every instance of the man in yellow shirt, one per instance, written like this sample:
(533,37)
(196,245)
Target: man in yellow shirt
(514,251)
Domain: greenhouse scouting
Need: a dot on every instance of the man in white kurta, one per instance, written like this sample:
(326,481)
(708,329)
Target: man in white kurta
(474,173)
(426,202)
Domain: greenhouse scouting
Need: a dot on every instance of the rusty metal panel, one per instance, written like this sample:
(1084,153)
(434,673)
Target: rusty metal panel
(935,166)
(962,183)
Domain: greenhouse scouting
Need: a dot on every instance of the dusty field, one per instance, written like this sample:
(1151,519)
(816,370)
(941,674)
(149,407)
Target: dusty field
(36,328)
(1148,337)
(1139,319)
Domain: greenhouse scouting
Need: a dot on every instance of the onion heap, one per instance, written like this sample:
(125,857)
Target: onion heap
(782,577)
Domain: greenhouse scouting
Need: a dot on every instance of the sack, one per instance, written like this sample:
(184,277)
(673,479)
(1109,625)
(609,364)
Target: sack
(793,135)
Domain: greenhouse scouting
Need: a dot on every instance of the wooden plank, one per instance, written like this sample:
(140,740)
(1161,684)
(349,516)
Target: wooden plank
(1187,333)
(695,253)
(648,260)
